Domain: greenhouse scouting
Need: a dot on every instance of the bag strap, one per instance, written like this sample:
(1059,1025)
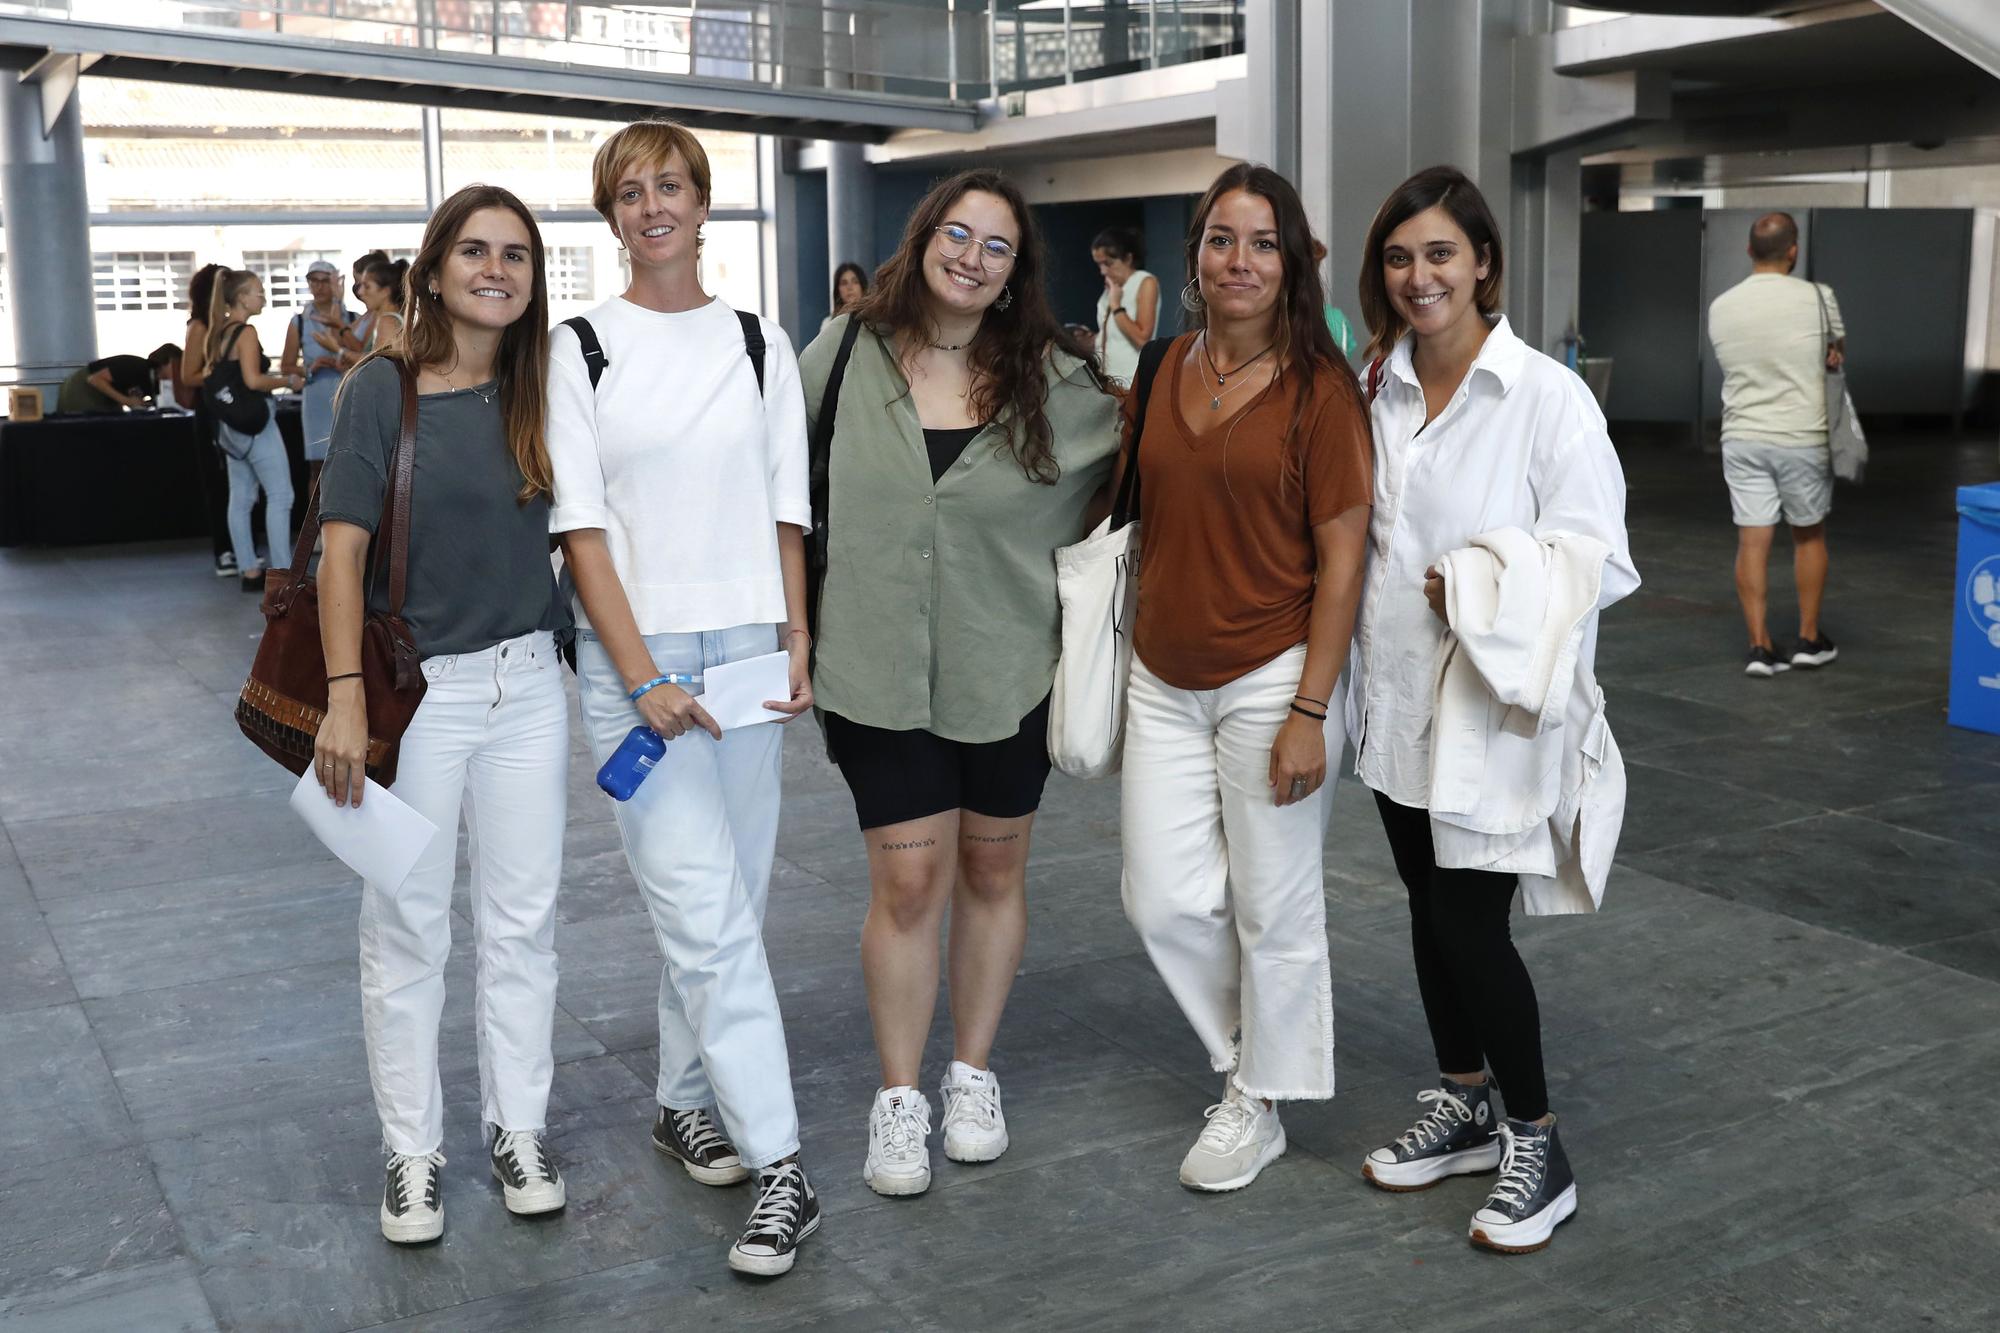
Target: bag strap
(230,333)
(594,359)
(1126,507)
(1375,376)
(399,491)
(753,344)
(822,433)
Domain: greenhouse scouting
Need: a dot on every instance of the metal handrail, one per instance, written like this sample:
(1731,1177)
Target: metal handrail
(960,52)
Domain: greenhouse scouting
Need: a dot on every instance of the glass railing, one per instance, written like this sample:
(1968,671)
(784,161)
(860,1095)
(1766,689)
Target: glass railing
(959,50)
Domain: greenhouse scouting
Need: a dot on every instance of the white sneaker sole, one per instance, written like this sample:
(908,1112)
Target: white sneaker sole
(542,1197)
(1405,1177)
(707,1175)
(1272,1152)
(411,1231)
(1530,1233)
(770,1265)
(1811,660)
(1765,672)
(975,1150)
(893,1184)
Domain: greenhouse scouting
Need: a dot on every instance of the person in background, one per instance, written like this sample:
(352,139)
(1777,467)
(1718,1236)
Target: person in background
(1128,310)
(362,265)
(115,383)
(850,288)
(209,462)
(381,321)
(1776,337)
(490,740)
(1254,492)
(306,354)
(973,438)
(256,462)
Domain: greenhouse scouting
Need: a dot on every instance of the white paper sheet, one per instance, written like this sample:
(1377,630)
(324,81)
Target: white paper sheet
(734,693)
(380,839)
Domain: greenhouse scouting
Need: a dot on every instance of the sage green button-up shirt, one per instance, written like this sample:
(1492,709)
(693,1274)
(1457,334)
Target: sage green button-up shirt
(939,609)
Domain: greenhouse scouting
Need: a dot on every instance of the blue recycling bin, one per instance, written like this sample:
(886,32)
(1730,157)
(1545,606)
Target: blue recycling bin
(1975,621)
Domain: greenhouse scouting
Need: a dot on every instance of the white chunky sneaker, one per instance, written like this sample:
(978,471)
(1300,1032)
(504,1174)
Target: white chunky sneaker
(1242,1137)
(412,1199)
(526,1172)
(899,1155)
(974,1128)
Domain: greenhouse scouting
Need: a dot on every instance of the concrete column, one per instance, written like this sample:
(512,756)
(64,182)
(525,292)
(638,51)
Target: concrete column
(433,137)
(850,206)
(1544,246)
(1271,38)
(47,219)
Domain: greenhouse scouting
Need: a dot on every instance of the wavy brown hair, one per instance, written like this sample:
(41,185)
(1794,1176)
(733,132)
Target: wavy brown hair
(1008,354)
(522,363)
(1452,190)
(1305,345)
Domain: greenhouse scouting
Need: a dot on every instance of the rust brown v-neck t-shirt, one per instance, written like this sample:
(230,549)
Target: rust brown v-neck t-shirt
(1226,511)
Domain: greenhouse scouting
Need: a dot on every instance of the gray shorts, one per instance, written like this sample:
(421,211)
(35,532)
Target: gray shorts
(1767,481)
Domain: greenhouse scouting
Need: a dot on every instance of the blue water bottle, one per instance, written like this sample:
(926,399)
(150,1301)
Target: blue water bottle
(630,763)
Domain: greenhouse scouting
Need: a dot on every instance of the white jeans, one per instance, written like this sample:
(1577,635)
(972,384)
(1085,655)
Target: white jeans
(700,835)
(1223,886)
(491,738)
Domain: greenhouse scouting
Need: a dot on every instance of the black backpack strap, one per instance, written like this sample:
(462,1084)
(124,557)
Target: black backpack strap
(1151,357)
(753,344)
(594,359)
(821,469)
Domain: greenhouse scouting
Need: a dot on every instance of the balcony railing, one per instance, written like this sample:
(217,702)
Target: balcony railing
(959,50)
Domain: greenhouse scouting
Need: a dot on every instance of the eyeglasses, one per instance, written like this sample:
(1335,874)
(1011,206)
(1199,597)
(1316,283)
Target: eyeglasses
(994,254)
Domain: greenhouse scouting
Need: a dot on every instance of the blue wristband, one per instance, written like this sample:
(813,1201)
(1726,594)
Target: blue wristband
(671,678)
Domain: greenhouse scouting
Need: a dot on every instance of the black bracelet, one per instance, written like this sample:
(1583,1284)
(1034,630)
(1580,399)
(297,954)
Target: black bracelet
(1307,712)
(1309,699)
(345,675)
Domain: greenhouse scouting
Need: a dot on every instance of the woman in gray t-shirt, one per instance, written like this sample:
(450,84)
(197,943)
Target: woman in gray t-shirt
(492,734)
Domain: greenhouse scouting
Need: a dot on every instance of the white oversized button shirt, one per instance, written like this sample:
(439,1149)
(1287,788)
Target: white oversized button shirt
(1522,444)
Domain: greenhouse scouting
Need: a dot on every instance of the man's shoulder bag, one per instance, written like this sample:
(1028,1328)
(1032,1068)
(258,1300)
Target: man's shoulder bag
(284,701)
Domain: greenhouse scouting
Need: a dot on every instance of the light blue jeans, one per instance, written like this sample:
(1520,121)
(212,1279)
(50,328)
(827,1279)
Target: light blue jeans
(263,466)
(700,835)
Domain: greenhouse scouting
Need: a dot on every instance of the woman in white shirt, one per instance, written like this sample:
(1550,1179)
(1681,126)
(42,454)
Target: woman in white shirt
(1474,431)
(1128,310)
(677,432)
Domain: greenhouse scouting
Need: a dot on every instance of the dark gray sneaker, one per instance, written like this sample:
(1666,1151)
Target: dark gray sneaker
(1536,1191)
(1455,1137)
(693,1139)
(412,1199)
(787,1211)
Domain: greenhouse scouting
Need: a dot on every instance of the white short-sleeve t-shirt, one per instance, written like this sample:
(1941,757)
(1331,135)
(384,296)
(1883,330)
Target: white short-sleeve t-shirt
(676,456)
(1770,332)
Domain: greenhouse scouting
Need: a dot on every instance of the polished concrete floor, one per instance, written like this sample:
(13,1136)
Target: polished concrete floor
(1771,1051)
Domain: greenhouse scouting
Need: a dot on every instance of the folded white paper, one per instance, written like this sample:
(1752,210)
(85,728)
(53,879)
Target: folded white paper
(734,693)
(380,839)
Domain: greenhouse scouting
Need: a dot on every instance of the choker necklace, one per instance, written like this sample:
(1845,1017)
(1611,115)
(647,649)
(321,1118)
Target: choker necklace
(1222,377)
(949,347)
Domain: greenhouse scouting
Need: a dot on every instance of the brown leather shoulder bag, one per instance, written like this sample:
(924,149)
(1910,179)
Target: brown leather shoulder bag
(284,701)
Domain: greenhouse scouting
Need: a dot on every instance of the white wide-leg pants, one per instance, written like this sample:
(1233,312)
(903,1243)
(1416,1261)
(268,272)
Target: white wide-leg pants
(700,834)
(491,738)
(1225,887)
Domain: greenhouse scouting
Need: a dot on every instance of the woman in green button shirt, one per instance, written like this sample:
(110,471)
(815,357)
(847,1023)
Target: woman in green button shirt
(973,438)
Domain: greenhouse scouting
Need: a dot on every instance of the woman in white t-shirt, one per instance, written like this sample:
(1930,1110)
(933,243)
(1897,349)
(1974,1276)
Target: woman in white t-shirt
(1128,311)
(681,500)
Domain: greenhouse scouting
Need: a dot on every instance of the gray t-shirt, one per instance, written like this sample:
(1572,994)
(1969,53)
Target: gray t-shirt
(479,559)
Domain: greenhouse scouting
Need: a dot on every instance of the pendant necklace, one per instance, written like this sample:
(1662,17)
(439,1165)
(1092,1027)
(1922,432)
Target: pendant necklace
(1222,377)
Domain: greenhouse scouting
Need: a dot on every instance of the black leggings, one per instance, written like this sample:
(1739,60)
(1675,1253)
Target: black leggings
(1478,997)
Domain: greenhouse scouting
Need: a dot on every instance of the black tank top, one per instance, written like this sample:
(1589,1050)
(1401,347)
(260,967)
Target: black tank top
(945,446)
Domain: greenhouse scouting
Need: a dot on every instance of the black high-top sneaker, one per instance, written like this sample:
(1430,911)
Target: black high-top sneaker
(693,1139)
(522,1165)
(787,1211)
(1455,1137)
(1536,1191)
(412,1199)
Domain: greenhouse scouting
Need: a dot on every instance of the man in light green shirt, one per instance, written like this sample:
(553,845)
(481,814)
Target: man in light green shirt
(1776,337)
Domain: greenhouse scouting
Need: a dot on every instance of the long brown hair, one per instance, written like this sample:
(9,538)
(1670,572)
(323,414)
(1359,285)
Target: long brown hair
(1305,344)
(1008,353)
(1433,187)
(522,363)
(229,284)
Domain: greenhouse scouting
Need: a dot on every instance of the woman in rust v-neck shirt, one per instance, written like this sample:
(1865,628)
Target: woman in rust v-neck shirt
(1254,487)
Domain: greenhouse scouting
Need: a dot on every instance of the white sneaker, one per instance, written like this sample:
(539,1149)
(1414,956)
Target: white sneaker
(1242,1137)
(412,1199)
(974,1128)
(899,1155)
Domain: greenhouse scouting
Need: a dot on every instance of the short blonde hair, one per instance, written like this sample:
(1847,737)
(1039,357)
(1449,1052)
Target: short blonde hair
(637,145)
